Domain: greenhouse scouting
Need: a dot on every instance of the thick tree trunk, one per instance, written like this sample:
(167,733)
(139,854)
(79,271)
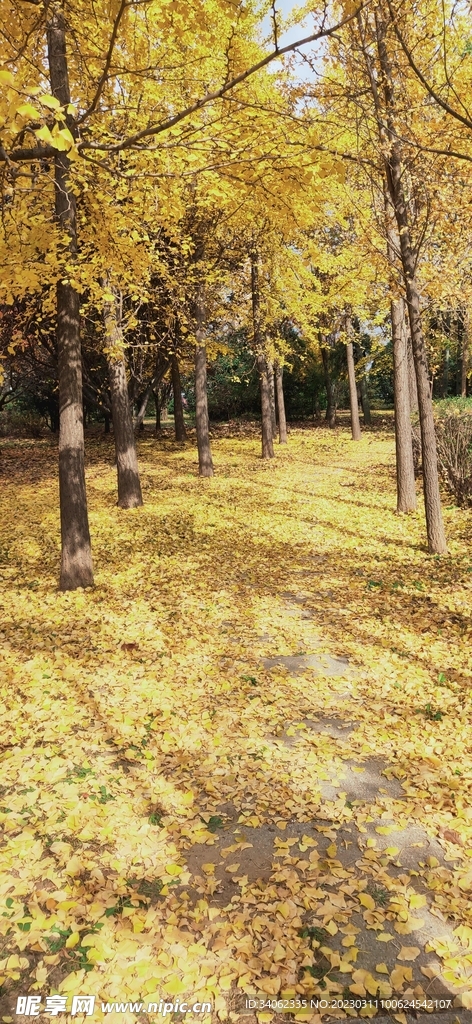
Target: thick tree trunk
(261,363)
(351,372)
(279,388)
(179,422)
(76,554)
(270,379)
(129,486)
(205,461)
(406,490)
(330,401)
(393,166)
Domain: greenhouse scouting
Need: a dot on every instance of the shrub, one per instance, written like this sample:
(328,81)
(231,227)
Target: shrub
(20,424)
(453,422)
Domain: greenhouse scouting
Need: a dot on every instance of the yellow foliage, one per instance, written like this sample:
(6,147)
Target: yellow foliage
(133,728)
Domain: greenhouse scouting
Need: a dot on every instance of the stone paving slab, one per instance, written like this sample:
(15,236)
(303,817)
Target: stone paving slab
(381,866)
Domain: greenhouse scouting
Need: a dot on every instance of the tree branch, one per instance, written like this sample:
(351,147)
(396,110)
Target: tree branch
(209,97)
(419,74)
(104,75)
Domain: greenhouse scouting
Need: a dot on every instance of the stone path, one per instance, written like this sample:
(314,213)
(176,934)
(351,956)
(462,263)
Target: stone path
(381,866)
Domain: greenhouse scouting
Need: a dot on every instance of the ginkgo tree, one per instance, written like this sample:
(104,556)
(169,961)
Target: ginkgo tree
(66,110)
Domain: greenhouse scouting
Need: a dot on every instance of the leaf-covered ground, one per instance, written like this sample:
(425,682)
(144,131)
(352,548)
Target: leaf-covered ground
(146,750)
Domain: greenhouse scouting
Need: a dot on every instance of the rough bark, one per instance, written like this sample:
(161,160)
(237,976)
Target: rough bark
(205,461)
(406,490)
(330,415)
(351,372)
(76,553)
(261,363)
(270,379)
(394,175)
(279,388)
(129,486)
(179,422)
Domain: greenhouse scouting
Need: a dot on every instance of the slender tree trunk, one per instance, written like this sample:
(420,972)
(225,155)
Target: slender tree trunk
(393,166)
(143,404)
(273,414)
(129,486)
(76,554)
(402,391)
(406,490)
(107,423)
(447,323)
(365,400)
(330,402)
(351,372)
(205,461)
(179,422)
(261,363)
(412,388)
(157,403)
(464,354)
(279,388)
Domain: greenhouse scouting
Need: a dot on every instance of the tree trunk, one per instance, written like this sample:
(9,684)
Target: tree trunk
(129,486)
(402,391)
(406,490)
(412,388)
(143,401)
(205,461)
(279,387)
(261,363)
(330,402)
(107,423)
(351,372)
(76,555)
(179,422)
(393,166)
(157,403)
(270,379)
(464,354)
(365,401)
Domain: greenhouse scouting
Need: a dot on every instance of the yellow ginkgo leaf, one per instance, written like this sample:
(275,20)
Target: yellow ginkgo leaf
(413,924)
(408,953)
